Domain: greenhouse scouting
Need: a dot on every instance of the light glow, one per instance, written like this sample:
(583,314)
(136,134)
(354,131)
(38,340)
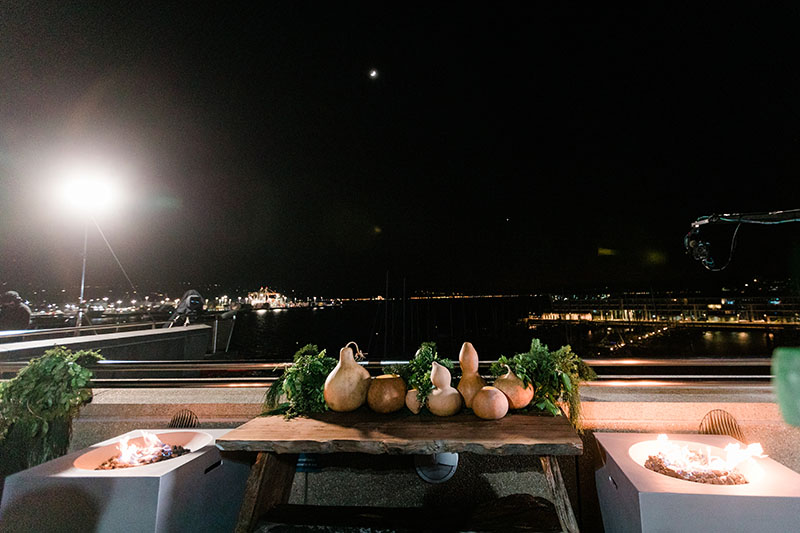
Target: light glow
(88,186)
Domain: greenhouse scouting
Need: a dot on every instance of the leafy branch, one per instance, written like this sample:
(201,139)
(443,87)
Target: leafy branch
(417,373)
(302,383)
(556,377)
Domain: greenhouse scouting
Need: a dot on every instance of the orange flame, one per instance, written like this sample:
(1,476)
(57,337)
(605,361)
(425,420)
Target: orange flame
(133,454)
(682,458)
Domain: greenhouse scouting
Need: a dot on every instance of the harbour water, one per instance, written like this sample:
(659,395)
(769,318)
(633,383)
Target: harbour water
(393,330)
(387,330)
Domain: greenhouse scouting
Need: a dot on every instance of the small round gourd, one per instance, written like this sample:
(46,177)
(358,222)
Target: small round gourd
(490,403)
(444,400)
(412,401)
(519,395)
(387,393)
(347,385)
(471,381)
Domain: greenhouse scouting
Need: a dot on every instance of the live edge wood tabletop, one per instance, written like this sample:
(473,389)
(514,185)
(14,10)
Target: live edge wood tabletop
(277,442)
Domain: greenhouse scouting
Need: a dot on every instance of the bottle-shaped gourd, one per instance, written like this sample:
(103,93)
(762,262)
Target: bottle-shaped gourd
(444,400)
(471,382)
(519,395)
(347,385)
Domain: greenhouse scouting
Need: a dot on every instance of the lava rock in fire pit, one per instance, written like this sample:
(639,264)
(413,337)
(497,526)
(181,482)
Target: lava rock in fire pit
(166,452)
(712,477)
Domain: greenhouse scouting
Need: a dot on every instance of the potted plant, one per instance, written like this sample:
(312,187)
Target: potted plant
(38,405)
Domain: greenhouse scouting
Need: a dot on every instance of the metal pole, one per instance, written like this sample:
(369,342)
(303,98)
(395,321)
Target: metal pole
(386,318)
(404,317)
(79,316)
(230,334)
(214,335)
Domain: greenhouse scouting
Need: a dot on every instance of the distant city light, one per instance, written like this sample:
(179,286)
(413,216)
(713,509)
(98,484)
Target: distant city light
(373,74)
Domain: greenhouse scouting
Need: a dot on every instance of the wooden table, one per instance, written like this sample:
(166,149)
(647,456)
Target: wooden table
(277,442)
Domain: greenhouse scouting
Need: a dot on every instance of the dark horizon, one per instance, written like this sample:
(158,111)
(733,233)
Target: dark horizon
(517,149)
(400,288)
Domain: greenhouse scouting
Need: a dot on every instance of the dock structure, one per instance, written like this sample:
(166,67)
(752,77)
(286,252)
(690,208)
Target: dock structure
(751,312)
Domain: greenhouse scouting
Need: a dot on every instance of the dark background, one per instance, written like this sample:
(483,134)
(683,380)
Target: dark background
(502,148)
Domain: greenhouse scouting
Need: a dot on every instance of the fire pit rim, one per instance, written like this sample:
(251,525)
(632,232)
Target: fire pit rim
(752,472)
(105,449)
(618,445)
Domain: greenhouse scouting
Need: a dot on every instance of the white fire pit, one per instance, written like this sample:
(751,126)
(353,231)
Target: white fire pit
(196,491)
(635,498)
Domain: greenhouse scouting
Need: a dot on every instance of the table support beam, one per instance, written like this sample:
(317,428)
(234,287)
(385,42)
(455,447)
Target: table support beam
(269,484)
(552,473)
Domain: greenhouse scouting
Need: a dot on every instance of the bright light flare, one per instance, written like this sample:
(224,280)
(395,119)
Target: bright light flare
(88,187)
(87,194)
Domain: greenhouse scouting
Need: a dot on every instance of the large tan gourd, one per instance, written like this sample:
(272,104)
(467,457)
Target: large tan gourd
(444,400)
(347,384)
(387,393)
(490,403)
(519,395)
(471,382)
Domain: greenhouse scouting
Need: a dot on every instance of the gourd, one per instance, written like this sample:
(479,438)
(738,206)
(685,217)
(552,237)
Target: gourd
(519,395)
(387,393)
(471,382)
(444,400)
(490,403)
(412,401)
(347,384)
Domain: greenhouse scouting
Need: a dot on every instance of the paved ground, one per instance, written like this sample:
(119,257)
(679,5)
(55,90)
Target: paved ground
(215,395)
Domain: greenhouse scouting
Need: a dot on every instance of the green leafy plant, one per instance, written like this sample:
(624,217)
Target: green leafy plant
(38,405)
(417,373)
(302,383)
(556,377)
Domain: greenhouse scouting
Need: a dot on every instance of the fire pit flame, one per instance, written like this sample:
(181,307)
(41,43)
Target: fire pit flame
(151,451)
(700,465)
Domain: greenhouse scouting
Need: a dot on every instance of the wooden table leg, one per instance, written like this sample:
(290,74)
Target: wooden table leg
(269,484)
(552,474)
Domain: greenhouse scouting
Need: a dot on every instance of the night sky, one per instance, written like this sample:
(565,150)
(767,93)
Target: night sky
(504,148)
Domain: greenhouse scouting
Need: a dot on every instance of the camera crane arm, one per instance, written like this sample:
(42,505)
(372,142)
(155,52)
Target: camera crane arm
(700,249)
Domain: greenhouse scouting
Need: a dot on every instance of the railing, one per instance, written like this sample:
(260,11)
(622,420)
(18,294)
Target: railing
(248,373)
(219,335)
(18,336)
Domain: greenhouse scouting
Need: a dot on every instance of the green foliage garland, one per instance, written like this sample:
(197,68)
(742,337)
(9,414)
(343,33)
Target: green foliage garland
(417,373)
(38,405)
(556,376)
(302,383)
